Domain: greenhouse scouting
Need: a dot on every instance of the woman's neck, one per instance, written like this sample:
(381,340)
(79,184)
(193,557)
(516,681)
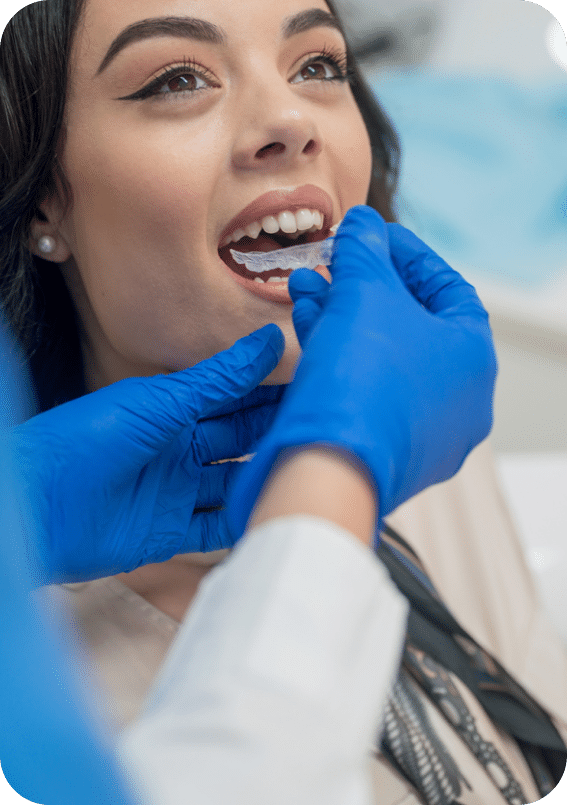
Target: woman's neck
(171,586)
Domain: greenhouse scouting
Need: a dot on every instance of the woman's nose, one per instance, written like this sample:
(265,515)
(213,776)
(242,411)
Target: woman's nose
(277,133)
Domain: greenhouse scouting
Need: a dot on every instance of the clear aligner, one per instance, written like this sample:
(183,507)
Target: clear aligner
(306,256)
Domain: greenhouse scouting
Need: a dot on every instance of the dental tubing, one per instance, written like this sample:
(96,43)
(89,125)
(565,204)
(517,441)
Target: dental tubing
(303,256)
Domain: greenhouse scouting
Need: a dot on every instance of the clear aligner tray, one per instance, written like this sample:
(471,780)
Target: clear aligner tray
(306,256)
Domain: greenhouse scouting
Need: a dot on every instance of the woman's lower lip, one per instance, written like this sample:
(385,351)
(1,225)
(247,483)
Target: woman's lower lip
(273,292)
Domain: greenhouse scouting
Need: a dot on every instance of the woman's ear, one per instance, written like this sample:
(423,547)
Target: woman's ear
(46,238)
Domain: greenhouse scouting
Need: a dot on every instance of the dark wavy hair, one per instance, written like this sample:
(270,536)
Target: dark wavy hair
(34,57)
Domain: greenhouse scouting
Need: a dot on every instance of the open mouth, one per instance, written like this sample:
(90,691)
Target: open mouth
(271,234)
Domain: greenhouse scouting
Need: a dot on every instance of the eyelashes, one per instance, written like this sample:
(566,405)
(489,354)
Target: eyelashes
(186,68)
(194,78)
(337,59)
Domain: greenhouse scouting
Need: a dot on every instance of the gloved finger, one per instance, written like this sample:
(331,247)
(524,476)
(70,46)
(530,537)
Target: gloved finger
(309,291)
(172,402)
(214,483)
(305,314)
(209,531)
(233,435)
(307,283)
(362,250)
(438,287)
(257,397)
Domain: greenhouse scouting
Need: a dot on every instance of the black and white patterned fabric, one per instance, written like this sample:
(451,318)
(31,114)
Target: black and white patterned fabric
(436,645)
(412,745)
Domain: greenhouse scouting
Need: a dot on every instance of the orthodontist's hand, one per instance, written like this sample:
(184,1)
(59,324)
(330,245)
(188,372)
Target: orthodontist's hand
(398,368)
(114,477)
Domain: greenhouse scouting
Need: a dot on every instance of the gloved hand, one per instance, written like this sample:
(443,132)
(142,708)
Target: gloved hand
(114,477)
(398,370)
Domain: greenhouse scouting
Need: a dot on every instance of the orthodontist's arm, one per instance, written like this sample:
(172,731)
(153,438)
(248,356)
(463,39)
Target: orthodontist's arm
(274,688)
(323,483)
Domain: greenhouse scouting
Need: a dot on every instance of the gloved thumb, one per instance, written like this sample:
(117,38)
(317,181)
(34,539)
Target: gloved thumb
(305,314)
(199,391)
(309,291)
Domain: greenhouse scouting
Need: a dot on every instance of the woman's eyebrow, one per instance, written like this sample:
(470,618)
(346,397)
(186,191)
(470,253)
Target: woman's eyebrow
(305,20)
(188,27)
(203,31)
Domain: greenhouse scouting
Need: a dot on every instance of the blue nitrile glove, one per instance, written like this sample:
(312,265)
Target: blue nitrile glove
(308,291)
(51,748)
(115,476)
(398,370)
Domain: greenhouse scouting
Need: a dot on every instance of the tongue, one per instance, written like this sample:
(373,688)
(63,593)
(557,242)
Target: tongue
(263,243)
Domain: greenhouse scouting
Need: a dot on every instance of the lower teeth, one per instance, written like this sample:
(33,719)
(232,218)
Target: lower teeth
(270,280)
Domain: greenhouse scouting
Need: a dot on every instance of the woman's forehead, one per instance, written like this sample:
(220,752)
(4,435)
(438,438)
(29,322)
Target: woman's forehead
(104,20)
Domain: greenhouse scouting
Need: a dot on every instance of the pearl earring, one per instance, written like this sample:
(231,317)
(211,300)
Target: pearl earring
(46,244)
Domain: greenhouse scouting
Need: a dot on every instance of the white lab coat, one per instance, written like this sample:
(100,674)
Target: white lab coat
(273,689)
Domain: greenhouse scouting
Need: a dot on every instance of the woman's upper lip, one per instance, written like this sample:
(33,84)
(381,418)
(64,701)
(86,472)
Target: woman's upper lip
(276,201)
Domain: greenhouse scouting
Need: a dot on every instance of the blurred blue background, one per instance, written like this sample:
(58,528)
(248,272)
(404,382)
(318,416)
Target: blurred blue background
(484,177)
(479,99)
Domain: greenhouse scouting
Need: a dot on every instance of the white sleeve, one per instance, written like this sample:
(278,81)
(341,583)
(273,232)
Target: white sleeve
(274,687)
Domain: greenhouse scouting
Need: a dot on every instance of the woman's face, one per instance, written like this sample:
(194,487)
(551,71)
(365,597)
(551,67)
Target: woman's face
(186,121)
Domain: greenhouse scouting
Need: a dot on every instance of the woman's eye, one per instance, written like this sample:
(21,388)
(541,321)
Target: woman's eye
(322,68)
(186,82)
(316,70)
(183,80)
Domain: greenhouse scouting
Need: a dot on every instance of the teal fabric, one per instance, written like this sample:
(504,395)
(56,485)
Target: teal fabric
(484,171)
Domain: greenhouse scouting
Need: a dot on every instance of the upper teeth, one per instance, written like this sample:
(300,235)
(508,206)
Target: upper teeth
(286,221)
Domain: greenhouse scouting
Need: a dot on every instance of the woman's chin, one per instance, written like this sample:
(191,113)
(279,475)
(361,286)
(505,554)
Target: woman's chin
(285,370)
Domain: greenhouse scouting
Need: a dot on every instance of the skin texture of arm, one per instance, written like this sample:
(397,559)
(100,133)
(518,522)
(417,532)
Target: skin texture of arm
(322,482)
